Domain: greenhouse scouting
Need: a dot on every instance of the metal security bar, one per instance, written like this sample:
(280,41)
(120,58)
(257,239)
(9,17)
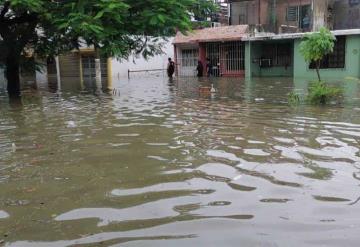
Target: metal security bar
(213,56)
(187,60)
(226,59)
(232,59)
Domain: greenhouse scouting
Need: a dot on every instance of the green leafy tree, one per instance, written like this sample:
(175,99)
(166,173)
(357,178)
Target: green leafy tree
(316,46)
(117,27)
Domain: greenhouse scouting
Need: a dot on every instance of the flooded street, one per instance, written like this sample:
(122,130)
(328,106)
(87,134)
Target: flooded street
(157,164)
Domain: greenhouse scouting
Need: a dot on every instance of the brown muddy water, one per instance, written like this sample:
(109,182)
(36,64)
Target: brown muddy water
(157,164)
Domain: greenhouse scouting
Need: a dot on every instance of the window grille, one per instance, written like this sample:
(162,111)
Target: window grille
(278,54)
(337,58)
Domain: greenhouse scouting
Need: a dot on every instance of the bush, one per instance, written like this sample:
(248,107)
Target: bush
(293,98)
(320,93)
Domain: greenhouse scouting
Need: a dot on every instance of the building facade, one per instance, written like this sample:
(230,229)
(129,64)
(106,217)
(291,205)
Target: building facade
(279,55)
(264,36)
(220,47)
(289,16)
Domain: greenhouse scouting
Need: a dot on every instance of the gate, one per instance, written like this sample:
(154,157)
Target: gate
(89,72)
(227,59)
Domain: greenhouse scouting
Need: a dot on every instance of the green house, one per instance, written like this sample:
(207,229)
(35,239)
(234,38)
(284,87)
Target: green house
(270,55)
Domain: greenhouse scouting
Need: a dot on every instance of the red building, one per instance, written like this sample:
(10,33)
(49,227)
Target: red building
(221,45)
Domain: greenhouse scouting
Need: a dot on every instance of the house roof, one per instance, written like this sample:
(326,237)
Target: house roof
(225,33)
(272,36)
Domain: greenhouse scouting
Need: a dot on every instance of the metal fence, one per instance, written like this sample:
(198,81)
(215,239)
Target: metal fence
(223,59)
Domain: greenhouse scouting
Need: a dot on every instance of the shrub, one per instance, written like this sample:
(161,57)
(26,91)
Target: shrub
(321,93)
(293,98)
(315,46)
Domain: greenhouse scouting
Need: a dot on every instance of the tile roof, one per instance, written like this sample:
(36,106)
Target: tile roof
(225,33)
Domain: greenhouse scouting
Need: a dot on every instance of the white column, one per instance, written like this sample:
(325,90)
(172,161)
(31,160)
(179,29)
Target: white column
(58,77)
(98,73)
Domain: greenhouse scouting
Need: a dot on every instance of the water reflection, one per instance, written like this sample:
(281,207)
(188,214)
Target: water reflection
(161,165)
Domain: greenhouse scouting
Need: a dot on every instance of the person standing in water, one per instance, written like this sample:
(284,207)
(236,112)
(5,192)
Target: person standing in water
(200,69)
(208,67)
(170,68)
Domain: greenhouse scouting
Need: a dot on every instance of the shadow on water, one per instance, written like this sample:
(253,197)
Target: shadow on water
(154,162)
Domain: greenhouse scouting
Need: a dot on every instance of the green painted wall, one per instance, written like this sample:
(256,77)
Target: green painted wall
(352,62)
(252,68)
(276,72)
(247,60)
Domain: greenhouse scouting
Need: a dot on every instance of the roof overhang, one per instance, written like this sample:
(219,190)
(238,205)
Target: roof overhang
(272,36)
(217,34)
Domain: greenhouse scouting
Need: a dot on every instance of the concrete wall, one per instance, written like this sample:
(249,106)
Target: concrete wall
(253,52)
(120,67)
(247,9)
(346,14)
(281,13)
(352,62)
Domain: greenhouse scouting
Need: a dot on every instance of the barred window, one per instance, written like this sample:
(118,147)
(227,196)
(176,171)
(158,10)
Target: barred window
(337,58)
(278,54)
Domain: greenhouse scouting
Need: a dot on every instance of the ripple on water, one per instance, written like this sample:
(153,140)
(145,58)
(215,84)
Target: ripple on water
(4,215)
(256,152)
(162,166)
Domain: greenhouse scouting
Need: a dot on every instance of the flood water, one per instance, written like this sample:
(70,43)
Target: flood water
(155,163)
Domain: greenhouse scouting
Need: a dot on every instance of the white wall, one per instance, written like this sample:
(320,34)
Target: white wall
(120,68)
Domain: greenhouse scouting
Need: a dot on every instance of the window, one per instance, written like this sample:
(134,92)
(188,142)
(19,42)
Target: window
(300,14)
(337,58)
(278,54)
(305,16)
(292,13)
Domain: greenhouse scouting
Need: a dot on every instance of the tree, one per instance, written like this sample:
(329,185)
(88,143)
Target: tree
(316,46)
(117,27)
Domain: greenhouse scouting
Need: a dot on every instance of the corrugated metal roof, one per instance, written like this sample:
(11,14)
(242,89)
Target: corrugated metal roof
(225,33)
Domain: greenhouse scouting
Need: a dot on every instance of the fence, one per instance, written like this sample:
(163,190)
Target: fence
(147,72)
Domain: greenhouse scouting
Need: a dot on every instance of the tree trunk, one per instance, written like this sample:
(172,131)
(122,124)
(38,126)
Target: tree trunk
(12,74)
(318,63)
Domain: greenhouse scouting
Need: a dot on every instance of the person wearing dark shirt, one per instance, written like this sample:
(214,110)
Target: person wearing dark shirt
(200,69)
(208,67)
(170,68)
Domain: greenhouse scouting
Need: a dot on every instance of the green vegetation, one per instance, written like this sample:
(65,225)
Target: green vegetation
(316,46)
(320,93)
(118,27)
(293,98)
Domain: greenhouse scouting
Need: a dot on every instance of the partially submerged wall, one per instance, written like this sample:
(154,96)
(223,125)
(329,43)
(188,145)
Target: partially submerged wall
(253,54)
(352,62)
